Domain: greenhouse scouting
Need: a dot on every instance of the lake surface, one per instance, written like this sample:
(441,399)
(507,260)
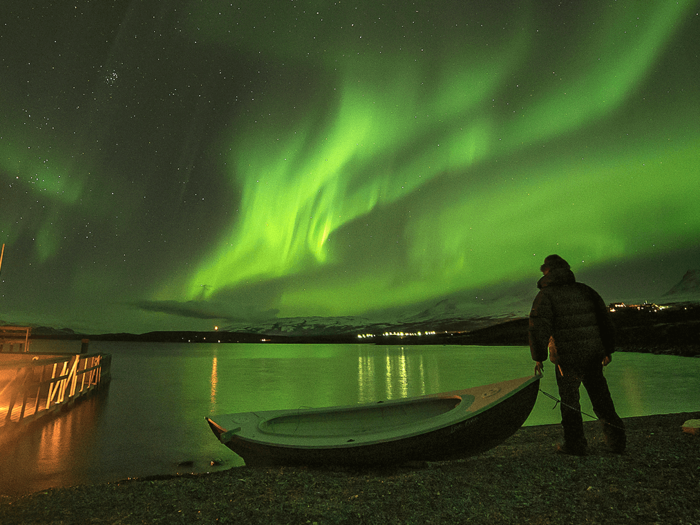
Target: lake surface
(150,420)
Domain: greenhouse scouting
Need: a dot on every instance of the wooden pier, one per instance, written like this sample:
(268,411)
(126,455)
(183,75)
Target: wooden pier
(34,385)
(14,338)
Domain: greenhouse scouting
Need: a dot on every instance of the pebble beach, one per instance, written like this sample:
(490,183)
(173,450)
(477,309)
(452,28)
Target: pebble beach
(523,480)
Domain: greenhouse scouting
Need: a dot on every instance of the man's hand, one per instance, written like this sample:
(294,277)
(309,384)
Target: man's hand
(539,367)
(606,360)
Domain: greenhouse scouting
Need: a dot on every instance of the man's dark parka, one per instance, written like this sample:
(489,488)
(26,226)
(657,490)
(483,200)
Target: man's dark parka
(574,316)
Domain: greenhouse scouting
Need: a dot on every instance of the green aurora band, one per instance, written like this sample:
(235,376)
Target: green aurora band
(400,125)
(366,157)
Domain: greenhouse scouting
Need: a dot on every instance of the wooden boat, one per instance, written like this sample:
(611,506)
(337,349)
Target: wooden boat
(432,427)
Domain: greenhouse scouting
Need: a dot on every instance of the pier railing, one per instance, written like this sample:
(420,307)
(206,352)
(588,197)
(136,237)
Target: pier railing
(33,385)
(14,338)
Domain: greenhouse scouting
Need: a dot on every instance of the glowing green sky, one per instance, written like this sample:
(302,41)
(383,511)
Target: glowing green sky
(177,165)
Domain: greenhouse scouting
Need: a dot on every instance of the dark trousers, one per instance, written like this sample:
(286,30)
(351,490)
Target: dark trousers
(591,375)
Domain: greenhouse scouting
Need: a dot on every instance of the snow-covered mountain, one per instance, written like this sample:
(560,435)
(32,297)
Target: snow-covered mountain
(320,326)
(687,289)
(455,314)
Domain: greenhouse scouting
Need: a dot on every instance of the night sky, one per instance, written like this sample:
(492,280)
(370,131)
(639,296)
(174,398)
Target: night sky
(181,164)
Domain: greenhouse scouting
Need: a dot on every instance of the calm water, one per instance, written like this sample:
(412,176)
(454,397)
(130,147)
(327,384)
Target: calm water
(150,420)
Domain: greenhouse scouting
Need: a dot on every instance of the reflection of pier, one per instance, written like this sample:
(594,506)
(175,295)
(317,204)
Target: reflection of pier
(34,385)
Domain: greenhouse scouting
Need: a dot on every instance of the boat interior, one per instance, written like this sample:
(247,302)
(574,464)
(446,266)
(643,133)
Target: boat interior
(362,419)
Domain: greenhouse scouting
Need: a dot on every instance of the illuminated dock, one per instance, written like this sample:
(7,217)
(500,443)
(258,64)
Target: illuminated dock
(34,385)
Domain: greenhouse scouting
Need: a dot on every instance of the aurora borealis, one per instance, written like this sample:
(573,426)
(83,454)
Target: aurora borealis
(174,165)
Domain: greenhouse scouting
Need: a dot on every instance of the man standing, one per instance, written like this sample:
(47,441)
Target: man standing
(570,321)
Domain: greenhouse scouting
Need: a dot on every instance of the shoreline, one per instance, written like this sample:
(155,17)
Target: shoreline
(523,479)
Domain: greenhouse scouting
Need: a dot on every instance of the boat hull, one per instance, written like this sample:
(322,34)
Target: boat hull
(476,423)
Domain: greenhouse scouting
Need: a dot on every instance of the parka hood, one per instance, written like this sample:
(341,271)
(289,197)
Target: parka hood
(557,277)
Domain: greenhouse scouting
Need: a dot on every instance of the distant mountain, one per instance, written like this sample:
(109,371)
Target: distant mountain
(42,330)
(447,315)
(48,332)
(297,326)
(333,326)
(687,288)
(461,312)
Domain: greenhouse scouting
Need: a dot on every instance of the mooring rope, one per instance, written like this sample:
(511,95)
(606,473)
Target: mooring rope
(560,402)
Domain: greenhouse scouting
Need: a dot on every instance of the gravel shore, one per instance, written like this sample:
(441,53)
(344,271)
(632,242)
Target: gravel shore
(523,480)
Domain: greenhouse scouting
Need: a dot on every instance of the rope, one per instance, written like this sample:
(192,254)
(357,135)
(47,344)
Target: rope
(559,401)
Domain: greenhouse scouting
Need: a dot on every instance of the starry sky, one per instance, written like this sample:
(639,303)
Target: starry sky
(183,164)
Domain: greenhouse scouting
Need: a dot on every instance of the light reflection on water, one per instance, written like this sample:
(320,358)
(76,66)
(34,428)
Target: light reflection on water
(151,419)
(392,375)
(214,380)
